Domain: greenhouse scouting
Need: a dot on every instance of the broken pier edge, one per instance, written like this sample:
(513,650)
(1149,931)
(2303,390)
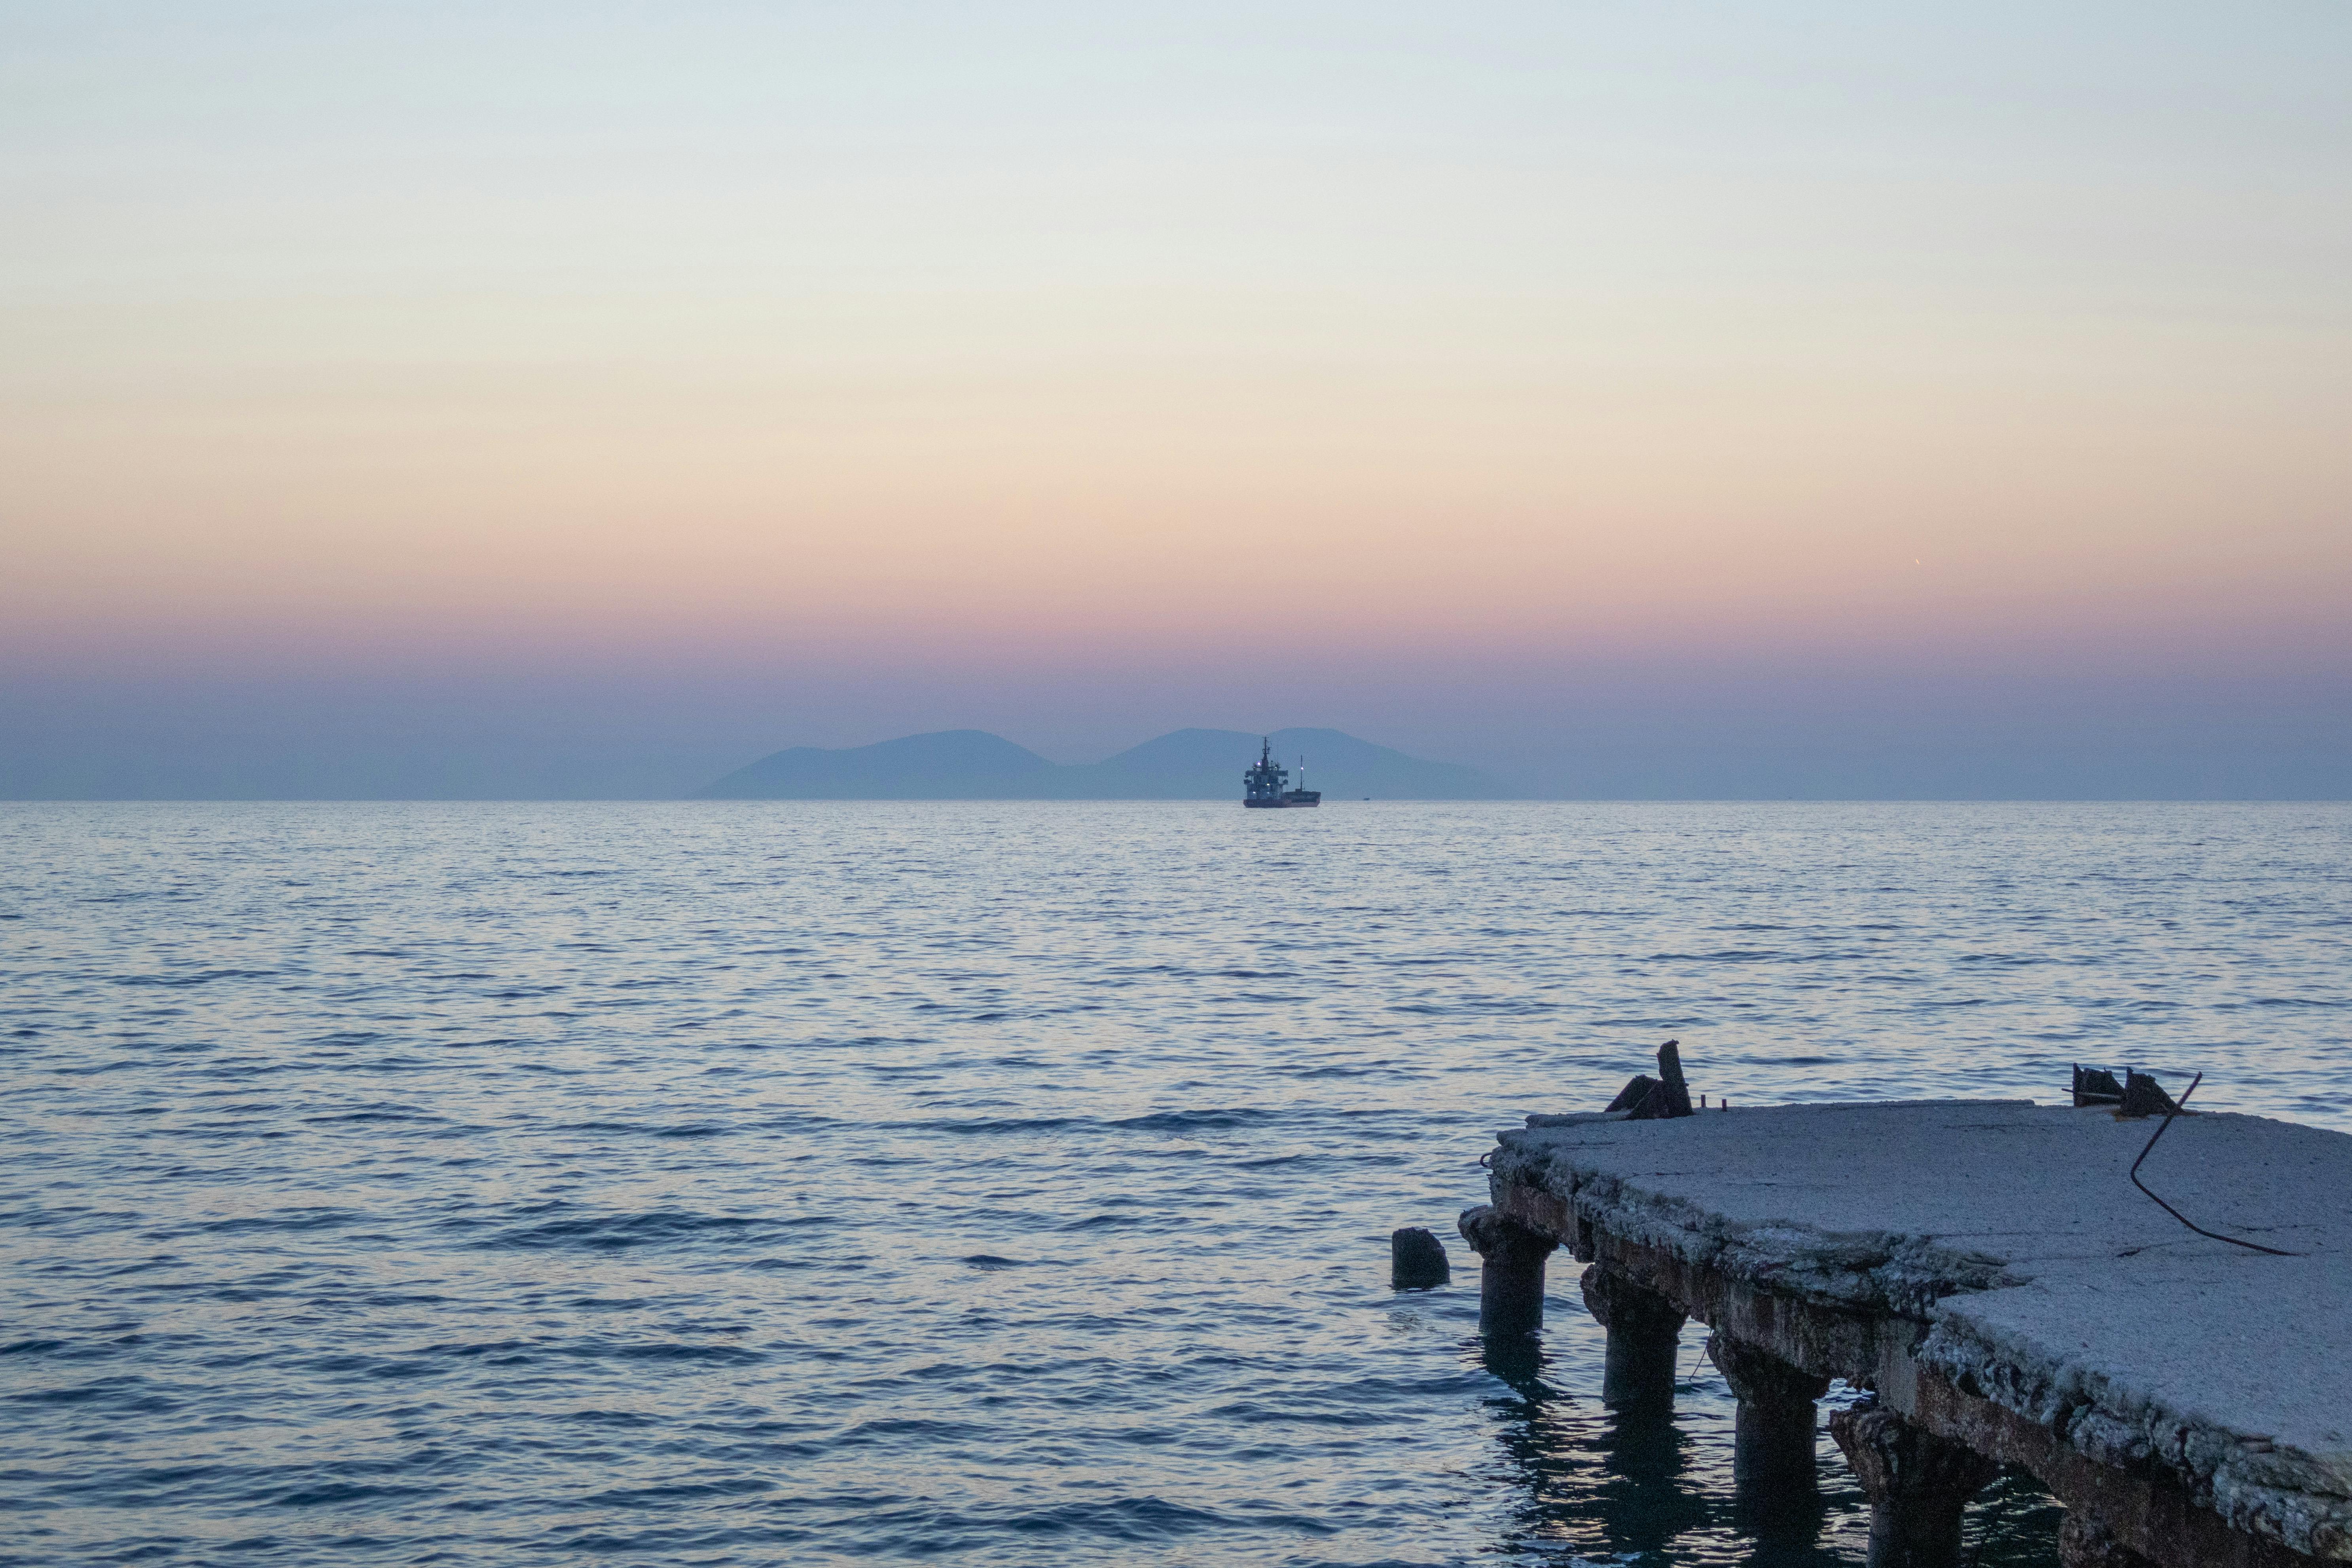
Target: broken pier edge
(1986,1270)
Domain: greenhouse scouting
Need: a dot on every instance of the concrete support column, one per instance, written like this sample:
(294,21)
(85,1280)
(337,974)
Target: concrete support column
(2086,1543)
(1511,1272)
(1772,1436)
(1643,1328)
(1917,1484)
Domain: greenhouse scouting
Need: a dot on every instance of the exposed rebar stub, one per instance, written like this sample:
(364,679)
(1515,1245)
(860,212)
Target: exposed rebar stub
(1511,1272)
(1644,1326)
(1918,1486)
(1772,1442)
(2086,1543)
(2096,1086)
(2143,1096)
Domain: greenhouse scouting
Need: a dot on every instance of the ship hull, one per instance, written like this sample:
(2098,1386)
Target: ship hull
(1263,783)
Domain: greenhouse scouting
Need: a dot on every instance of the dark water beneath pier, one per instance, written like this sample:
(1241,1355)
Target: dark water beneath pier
(982,1183)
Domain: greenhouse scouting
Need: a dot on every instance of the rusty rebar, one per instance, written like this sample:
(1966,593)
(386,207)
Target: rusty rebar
(2211,1234)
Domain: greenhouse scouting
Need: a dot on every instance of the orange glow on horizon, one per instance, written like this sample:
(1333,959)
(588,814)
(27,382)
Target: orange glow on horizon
(1436,357)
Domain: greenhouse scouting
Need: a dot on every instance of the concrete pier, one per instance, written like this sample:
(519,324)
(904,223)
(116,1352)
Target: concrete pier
(1989,1270)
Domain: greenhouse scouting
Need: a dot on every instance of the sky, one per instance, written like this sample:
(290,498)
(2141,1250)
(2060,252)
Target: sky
(521,399)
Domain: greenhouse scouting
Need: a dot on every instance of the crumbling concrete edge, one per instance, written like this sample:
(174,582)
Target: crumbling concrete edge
(1858,1271)
(2279,1493)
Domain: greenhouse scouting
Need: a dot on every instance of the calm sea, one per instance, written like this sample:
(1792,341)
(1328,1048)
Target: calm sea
(748,1182)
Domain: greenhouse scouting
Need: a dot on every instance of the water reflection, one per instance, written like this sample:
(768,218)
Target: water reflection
(2013,1524)
(1654,1486)
(1593,1480)
(584,1128)
(1786,1526)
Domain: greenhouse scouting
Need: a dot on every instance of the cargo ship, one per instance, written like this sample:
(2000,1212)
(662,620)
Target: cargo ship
(1265,785)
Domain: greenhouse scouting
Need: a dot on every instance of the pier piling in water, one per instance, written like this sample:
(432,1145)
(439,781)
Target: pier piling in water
(2084,1545)
(1919,1485)
(1511,1271)
(1772,1437)
(1645,1332)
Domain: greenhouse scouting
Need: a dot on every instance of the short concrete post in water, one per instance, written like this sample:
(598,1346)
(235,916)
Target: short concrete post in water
(1643,1328)
(1511,1276)
(2086,1543)
(1918,1486)
(1772,1436)
(1416,1260)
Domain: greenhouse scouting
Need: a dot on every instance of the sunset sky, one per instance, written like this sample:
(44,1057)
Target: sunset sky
(583,399)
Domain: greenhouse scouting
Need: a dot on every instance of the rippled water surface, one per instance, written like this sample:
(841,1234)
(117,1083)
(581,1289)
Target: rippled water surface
(984,1183)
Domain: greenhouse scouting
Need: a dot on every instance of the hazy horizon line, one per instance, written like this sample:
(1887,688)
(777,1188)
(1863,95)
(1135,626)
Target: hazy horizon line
(1166,800)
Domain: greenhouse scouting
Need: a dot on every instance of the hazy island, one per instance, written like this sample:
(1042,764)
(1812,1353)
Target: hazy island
(1183,764)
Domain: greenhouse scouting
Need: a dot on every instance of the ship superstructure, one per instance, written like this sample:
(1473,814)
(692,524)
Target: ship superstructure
(1266,783)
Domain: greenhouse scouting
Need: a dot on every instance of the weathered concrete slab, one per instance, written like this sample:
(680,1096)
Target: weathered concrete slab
(2042,1280)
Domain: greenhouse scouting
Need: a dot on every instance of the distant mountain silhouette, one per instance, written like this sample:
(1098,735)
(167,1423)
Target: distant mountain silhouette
(950,764)
(1185,764)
